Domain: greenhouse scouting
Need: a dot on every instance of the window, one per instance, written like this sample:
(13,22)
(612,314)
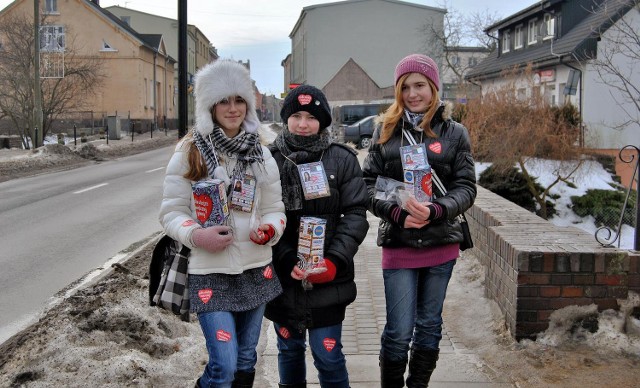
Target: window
(473,61)
(506,39)
(51,6)
(52,38)
(126,20)
(1,46)
(549,26)
(532,34)
(455,60)
(519,41)
(106,46)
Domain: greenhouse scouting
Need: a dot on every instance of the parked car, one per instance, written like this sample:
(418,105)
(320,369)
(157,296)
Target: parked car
(360,132)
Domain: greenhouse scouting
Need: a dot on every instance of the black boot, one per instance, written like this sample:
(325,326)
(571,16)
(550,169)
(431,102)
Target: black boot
(198,384)
(392,373)
(421,365)
(297,385)
(242,379)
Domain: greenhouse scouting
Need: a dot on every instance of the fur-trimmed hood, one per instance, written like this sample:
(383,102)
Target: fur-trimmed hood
(219,80)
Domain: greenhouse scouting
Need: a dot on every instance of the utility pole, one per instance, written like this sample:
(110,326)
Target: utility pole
(36,126)
(182,68)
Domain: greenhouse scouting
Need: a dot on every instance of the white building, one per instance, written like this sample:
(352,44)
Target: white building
(564,40)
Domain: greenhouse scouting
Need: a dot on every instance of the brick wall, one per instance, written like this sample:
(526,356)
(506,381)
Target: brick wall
(533,267)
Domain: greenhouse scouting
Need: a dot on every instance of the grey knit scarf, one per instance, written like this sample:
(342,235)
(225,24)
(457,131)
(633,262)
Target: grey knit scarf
(245,147)
(298,150)
(414,118)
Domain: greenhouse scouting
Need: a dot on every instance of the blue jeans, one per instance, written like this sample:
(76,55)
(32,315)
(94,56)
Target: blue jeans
(326,349)
(231,342)
(414,299)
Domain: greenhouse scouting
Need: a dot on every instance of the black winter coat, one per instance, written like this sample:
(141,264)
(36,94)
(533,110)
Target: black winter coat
(347,226)
(449,156)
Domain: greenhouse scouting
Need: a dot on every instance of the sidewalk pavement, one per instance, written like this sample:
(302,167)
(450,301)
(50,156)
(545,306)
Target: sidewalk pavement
(362,327)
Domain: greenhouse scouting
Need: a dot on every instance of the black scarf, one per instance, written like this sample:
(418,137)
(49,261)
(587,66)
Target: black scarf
(298,150)
(245,147)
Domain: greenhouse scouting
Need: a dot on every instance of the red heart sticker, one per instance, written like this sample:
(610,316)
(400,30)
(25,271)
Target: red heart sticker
(304,99)
(188,223)
(284,333)
(204,205)
(268,272)
(426,184)
(436,147)
(329,344)
(205,295)
(223,336)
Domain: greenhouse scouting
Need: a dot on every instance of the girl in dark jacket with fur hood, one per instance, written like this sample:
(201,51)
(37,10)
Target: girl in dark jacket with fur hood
(323,180)
(420,239)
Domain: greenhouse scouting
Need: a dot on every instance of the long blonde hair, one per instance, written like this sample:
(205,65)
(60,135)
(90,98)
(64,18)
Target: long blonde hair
(396,110)
(197,166)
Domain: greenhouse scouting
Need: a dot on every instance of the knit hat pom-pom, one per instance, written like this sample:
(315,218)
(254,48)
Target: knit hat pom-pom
(221,173)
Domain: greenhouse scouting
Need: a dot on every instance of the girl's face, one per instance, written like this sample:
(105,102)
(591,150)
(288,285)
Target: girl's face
(416,93)
(229,114)
(303,123)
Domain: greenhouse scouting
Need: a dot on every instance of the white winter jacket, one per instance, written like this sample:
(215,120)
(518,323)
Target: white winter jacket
(178,217)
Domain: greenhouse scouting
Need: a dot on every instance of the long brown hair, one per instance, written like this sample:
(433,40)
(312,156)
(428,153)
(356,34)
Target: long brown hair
(396,110)
(197,166)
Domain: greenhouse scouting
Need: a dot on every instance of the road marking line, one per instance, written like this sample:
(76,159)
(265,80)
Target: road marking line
(155,169)
(90,188)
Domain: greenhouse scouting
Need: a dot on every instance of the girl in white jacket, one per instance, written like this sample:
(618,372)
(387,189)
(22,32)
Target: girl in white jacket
(231,277)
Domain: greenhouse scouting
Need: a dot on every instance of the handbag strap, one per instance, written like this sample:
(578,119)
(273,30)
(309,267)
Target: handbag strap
(434,176)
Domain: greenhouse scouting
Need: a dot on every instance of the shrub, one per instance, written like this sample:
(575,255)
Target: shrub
(606,206)
(511,185)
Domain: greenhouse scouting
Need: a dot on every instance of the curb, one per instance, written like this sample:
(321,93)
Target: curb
(91,278)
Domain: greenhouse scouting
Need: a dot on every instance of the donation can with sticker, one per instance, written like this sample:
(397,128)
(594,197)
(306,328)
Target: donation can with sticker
(419,184)
(311,242)
(210,199)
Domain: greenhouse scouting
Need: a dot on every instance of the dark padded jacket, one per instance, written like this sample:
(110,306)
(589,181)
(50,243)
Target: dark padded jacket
(449,156)
(345,212)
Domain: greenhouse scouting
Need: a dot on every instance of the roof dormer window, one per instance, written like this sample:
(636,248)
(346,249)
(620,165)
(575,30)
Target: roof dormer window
(549,26)
(506,40)
(532,34)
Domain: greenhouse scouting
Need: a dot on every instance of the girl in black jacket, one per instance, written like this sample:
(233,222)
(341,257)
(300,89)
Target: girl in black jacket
(336,193)
(420,240)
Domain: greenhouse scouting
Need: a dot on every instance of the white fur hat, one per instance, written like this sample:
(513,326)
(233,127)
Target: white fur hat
(219,80)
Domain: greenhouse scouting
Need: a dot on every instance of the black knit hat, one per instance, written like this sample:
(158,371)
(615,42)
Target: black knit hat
(309,99)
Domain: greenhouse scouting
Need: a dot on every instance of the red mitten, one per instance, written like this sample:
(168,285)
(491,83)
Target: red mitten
(263,234)
(325,276)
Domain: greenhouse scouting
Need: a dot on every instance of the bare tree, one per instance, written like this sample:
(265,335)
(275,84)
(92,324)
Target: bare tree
(60,95)
(457,30)
(508,129)
(617,60)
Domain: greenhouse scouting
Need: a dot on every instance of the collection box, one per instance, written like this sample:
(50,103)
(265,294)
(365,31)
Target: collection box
(419,184)
(311,241)
(210,198)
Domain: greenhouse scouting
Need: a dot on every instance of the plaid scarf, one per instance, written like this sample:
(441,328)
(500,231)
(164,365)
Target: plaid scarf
(245,147)
(298,150)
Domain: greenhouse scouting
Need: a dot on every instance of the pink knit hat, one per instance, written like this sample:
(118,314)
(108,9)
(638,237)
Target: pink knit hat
(418,63)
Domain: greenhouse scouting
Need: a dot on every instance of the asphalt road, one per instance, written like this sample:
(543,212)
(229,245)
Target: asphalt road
(55,228)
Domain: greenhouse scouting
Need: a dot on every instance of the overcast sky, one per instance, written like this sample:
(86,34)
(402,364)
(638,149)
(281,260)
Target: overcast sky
(258,30)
